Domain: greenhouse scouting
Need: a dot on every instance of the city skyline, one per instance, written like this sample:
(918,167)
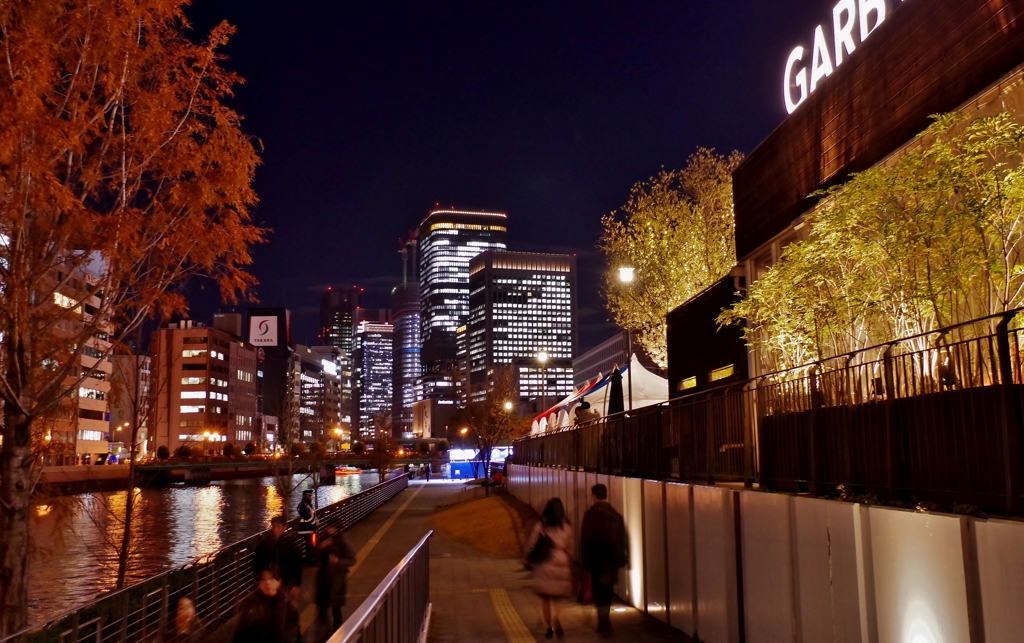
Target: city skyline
(401,109)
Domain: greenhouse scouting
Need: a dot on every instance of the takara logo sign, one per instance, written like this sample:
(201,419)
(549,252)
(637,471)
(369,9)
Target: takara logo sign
(263,331)
(849,18)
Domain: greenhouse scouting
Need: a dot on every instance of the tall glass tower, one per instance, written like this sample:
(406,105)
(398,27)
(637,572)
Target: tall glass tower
(405,307)
(522,304)
(336,307)
(448,240)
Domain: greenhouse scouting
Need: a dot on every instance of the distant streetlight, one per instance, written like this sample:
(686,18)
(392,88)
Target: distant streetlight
(626,278)
(508,406)
(464,430)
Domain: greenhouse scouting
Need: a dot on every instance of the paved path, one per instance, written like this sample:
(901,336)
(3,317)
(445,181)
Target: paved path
(477,597)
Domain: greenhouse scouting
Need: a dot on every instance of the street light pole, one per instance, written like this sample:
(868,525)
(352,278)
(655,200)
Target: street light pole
(626,277)
(542,357)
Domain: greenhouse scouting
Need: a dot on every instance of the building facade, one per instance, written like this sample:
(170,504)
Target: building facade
(336,308)
(131,374)
(447,240)
(373,365)
(203,388)
(405,307)
(522,310)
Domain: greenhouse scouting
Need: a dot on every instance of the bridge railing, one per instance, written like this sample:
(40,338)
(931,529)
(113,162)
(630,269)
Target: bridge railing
(215,584)
(398,610)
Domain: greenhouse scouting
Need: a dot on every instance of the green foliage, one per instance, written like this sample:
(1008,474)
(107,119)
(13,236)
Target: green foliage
(678,233)
(249,449)
(162,452)
(230,449)
(358,448)
(442,446)
(423,447)
(297,448)
(931,238)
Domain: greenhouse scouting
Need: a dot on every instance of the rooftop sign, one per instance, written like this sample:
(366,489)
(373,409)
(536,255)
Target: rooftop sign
(852,22)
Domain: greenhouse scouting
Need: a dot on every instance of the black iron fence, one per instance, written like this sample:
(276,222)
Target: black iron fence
(935,417)
(215,585)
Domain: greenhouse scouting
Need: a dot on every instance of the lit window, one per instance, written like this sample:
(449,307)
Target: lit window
(722,373)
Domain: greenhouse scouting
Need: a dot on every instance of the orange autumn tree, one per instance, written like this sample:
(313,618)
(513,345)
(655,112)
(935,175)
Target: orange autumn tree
(122,174)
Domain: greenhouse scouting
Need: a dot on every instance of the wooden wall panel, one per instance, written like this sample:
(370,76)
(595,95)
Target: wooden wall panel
(928,57)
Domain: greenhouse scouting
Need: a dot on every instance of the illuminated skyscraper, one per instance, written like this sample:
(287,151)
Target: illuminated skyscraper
(336,307)
(373,364)
(522,304)
(448,240)
(405,306)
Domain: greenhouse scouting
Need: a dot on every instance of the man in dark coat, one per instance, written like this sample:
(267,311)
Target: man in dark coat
(604,548)
(267,616)
(336,557)
(307,525)
(282,550)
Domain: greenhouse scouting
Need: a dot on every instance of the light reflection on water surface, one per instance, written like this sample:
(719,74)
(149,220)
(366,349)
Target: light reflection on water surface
(73,560)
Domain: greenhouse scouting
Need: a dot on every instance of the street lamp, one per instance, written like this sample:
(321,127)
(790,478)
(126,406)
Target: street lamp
(508,406)
(542,357)
(626,278)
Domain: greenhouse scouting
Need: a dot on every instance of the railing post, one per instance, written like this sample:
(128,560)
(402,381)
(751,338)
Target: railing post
(1012,474)
(814,432)
(891,424)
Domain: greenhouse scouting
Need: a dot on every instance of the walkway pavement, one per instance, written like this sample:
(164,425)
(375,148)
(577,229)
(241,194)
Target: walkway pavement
(477,597)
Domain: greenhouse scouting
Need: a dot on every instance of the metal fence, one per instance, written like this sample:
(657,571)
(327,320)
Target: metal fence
(215,584)
(398,610)
(935,417)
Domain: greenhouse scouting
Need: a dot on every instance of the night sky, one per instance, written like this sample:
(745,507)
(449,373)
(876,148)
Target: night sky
(370,113)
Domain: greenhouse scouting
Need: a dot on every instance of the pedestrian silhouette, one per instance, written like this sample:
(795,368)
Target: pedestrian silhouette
(604,548)
(550,553)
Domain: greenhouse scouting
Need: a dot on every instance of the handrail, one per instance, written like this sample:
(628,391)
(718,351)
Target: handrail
(352,629)
(161,582)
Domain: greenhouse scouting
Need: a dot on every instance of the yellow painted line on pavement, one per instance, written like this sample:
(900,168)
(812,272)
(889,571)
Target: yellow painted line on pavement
(514,627)
(310,613)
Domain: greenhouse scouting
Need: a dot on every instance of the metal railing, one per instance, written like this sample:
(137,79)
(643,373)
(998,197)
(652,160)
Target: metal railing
(215,584)
(934,417)
(398,610)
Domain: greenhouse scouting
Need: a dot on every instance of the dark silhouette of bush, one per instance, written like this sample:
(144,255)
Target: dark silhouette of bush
(162,452)
(423,447)
(297,448)
(358,448)
(250,448)
(183,452)
(198,452)
(317,448)
(442,446)
(230,449)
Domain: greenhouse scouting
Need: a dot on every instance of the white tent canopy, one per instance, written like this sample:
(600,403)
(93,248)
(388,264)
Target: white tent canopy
(647,387)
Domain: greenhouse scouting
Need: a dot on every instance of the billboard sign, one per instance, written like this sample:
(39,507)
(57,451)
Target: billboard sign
(263,330)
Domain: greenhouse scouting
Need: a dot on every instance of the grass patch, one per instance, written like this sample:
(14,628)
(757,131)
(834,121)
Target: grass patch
(495,525)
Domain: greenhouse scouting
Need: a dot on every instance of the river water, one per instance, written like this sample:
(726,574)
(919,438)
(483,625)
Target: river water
(73,557)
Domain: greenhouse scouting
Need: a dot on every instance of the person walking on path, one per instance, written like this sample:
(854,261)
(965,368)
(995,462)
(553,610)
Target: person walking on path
(268,616)
(282,550)
(604,548)
(307,524)
(336,556)
(427,469)
(551,560)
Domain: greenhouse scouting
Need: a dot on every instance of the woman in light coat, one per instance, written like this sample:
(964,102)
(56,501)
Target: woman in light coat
(552,578)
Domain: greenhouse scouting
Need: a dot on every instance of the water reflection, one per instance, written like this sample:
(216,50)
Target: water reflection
(74,556)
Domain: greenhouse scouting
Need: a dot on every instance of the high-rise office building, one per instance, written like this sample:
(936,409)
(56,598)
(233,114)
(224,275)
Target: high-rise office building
(523,317)
(336,321)
(405,307)
(373,365)
(447,241)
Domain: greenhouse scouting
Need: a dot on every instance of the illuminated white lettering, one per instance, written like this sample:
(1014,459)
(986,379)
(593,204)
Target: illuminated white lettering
(843,27)
(821,61)
(799,80)
(867,7)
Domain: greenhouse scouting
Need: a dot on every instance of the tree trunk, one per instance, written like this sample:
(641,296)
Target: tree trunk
(129,511)
(15,496)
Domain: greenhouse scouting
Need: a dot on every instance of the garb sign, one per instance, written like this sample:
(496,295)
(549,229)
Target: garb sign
(263,331)
(852,22)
